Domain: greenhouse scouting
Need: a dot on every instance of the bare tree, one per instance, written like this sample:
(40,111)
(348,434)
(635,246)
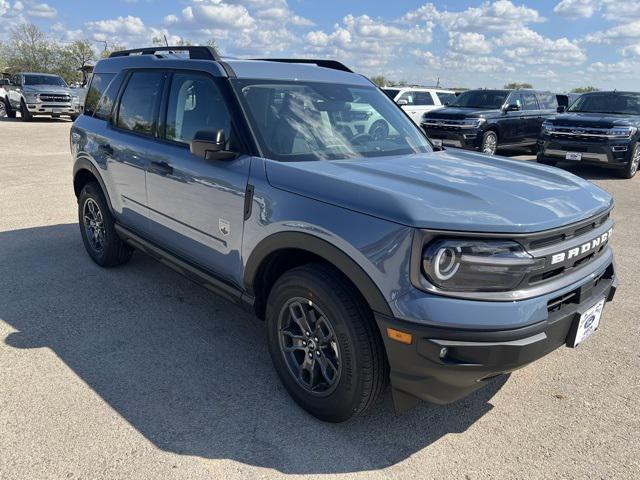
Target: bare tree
(517,86)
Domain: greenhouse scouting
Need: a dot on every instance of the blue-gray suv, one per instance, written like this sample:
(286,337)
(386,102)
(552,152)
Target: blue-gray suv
(372,258)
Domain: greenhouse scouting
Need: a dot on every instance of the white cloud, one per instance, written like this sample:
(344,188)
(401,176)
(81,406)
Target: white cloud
(576,8)
(619,33)
(497,15)
(40,10)
(469,42)
(365,41)
(529,47)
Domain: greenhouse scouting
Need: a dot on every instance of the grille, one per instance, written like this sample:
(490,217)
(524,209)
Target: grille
(580,133)
(443,123)
(49,97)
(568,233)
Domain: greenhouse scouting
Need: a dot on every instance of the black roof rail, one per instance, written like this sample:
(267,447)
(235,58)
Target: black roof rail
(333,64)
(196,52)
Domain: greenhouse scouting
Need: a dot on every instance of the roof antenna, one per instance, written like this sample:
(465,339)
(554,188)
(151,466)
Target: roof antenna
(165,40)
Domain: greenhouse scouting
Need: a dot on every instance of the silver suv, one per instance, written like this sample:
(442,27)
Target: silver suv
(37,94)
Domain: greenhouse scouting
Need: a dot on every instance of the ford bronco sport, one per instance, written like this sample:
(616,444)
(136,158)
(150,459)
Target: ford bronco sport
(371,259)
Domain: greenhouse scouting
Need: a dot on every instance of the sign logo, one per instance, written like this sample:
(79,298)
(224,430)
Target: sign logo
(224,226)
(581,249)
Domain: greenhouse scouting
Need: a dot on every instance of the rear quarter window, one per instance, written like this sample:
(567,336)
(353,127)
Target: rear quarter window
(99,84)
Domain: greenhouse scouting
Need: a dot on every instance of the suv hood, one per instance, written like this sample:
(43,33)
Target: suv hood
(455,113)
(593,120)
(448,190)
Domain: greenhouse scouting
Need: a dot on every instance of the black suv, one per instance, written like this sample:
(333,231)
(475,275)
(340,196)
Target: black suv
(599,128)
(489,119)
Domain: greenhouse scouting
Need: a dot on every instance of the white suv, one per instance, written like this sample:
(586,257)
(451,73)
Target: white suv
(416,101)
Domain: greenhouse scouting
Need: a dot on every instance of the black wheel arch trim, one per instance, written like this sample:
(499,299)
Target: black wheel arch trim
(323,249)
(83,163)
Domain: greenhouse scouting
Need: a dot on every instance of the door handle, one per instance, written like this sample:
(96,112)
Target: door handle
(105,148)
(162,168)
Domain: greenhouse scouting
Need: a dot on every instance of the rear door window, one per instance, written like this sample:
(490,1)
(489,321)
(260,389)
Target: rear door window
(99,84)
(548,101)
(529,101)
(423,98)
(139,103)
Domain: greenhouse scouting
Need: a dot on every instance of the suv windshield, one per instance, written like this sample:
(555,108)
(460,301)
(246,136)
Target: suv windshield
(485,99)
(446,98)
(608,102)
(297,120)
(44,80)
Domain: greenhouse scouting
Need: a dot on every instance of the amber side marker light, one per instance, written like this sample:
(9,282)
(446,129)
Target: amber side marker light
(399,336)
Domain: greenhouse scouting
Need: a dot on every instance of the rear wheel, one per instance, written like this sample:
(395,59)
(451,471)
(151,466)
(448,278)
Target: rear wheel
(24,113)
(3,109)
(632,167)
(98,229)
(324,343)
(489,142)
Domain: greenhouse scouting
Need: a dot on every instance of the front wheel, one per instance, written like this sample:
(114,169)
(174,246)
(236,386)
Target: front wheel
(632,167)
(489,142)
(11,113)
(98,229)
(25,114)
(324,343)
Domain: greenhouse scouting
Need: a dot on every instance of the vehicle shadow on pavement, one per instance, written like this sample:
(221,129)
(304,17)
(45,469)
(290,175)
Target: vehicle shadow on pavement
(188,370)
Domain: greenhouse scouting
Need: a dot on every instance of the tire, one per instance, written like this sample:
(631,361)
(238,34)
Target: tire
(534,149)
(11,113)
(24,113)
(489,142)
(632,167)
(3,109)
(99,237)
(354,348)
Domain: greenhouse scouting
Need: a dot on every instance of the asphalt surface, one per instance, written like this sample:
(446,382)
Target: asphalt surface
(136,372)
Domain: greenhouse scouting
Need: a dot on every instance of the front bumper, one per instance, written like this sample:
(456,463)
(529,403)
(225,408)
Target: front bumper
(442,365)
(614,153)
(53,109)
(468,139)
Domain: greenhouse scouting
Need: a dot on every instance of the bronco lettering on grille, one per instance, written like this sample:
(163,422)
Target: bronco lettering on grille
(581,249)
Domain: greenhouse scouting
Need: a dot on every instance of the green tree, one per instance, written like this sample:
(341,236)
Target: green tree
(29,50)
(379,80)
(584,89)
(517,86)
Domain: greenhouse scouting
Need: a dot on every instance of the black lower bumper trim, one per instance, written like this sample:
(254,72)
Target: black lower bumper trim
(443,365)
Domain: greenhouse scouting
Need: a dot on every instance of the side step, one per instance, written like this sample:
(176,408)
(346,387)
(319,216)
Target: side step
(193,273)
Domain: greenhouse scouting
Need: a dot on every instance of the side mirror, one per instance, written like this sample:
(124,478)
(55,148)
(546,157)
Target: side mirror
(402,102)
(512,107)
(209,144)
(561,109)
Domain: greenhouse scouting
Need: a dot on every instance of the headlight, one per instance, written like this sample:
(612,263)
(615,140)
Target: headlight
(621,132)
(477,265)
(75,99)
(472,122)
(31,97)
(547,127)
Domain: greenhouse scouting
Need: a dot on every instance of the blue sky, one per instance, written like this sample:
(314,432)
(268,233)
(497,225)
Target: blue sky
(556,44)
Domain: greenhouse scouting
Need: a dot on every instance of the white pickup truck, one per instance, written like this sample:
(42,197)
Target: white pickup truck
(38,94)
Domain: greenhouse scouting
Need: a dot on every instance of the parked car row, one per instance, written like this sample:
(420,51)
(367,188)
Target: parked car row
(599,128)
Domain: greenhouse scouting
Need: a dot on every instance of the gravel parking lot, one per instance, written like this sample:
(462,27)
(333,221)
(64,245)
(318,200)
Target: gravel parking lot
(136,372)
